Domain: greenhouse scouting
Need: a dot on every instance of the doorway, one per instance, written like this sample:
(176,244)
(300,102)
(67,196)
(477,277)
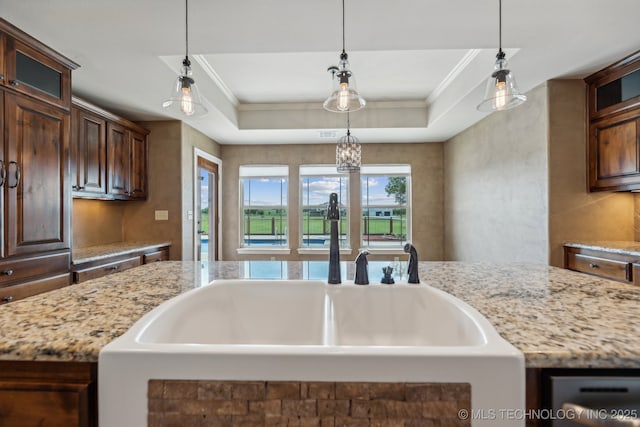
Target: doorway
(206,236)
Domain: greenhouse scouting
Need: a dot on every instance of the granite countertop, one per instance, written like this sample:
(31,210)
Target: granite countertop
(556,317)
(631,247)
(98,252)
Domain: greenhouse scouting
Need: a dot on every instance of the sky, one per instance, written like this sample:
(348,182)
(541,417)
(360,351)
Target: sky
(266,191)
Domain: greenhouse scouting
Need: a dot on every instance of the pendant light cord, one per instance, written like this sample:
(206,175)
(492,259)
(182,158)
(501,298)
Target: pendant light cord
(500,24)
(500,56)
(348,125)
(343,44)
(186,26)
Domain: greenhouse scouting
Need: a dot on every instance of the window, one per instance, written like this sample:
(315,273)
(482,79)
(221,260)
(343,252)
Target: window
(386,206)
(264,206)
(316,183)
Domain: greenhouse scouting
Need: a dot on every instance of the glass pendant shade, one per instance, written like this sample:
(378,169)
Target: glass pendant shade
(502,91)
(344,93)
(348,154)
(185,98)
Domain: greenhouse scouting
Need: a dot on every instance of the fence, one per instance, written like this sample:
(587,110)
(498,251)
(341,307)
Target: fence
(312,225)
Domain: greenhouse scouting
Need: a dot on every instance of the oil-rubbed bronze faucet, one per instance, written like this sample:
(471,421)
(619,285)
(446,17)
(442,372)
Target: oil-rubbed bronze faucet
(333,215)
(412,269)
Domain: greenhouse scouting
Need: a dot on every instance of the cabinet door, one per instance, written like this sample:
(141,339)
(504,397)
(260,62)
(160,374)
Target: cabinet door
(37,163)
(138,172)
(614,154)
(88,153)
(30,71)
(117,160)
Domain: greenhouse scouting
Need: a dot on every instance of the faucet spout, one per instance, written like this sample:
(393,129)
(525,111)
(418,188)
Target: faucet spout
(333,215)
(412,269)
(362,269)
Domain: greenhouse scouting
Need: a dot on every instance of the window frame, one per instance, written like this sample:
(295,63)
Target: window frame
(386,170)
(259,171)
(322,171)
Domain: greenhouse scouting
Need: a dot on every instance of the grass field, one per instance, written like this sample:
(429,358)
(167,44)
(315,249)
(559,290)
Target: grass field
(258,225)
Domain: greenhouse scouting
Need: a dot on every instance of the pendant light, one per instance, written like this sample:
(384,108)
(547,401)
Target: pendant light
(348,152)
(185,98)
(502,92)
(344,95)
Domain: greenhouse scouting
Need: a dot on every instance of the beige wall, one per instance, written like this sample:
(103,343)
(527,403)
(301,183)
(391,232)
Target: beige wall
(495,180)
(516,184)
(427,196)
(164,191)
(96,222)
(574,213)
(191,139)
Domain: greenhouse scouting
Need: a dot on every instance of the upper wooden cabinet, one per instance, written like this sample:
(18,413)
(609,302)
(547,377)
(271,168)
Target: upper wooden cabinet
(109,154)
(30,67)
(614,126)
(89,152)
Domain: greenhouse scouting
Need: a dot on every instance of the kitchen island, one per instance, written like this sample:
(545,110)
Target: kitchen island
(557,318)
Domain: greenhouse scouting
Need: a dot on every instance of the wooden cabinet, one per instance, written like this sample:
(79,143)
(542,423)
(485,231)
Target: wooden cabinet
(36,182)
(138,166)
(614,266)
(106,268)
(614,126)
(55,394)
(162,254)
(29,67)
(109,157)
(89,152)
(117,263)
(35,199)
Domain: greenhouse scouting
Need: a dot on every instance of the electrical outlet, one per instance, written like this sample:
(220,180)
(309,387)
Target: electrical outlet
(162,215)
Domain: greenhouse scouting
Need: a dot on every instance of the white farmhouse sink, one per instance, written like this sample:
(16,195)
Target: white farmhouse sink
(401,316)
(242,313)
(311,331)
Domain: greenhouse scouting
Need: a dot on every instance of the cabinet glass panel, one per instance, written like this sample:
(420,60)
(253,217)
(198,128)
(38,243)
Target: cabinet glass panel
(619,90)
(37,75)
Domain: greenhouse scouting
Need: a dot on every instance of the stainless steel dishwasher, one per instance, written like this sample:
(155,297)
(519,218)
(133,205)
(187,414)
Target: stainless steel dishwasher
(596,401)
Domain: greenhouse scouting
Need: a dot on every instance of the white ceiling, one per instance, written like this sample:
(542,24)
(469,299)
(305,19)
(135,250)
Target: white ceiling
(261,64)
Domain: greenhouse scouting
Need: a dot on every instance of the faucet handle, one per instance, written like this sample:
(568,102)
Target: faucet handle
(363,253)
(362,272)
(387,279)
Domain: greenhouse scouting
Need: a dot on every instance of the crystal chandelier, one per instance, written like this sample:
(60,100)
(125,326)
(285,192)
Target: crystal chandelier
(348,152)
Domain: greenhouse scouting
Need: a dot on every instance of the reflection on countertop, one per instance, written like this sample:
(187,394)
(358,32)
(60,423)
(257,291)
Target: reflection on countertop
(556,317)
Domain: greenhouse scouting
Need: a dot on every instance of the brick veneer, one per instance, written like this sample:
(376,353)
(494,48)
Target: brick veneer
(287,403)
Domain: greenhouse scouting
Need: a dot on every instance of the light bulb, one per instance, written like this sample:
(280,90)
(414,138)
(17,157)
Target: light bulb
(501,95)
(186,102)
(343,97)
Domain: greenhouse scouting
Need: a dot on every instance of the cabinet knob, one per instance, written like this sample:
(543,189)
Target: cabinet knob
(7,272)
(593,265)
(1,77)
(8,298)
(14,83)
